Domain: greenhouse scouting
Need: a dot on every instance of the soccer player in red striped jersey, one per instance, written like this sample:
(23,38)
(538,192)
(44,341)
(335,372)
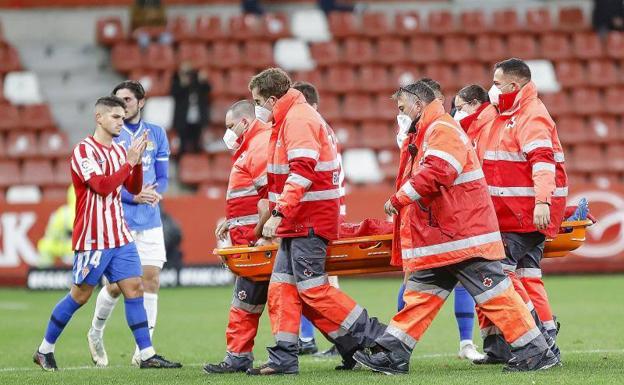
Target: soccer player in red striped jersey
(101,240)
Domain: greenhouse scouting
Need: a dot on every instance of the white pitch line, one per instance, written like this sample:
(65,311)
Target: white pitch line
(419,356)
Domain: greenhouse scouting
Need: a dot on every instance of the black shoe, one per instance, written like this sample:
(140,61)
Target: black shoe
(489,360)
(307,347)
(267,370)
(46,361)
(223,367)
(159,362)
(385,362)
(543,361)
(331,352)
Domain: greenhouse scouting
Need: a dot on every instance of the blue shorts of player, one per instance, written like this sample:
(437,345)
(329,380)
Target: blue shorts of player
(115,264)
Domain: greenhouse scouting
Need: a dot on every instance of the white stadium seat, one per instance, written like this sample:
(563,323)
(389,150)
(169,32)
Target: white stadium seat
(310,25)
(23,194)
(361,166)
(22,88)
(543,75)
(159,110)
(293,55)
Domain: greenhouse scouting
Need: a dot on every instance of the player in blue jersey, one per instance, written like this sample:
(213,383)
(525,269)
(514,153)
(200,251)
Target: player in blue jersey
(143,216)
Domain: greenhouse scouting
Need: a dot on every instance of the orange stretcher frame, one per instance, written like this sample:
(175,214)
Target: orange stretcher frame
(369,254)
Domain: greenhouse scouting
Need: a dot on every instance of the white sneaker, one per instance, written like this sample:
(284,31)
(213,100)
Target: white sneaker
(136,359)
(96,347)
(469,351)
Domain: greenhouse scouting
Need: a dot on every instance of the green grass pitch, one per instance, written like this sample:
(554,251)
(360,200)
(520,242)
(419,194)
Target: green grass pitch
(191,325)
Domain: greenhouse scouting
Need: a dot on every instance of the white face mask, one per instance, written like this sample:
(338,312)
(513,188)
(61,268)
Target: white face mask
(263,114)
(404,122)
(459,115)
(231,139)
(494,93)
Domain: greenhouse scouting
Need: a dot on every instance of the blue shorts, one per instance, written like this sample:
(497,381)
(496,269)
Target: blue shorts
(115,264)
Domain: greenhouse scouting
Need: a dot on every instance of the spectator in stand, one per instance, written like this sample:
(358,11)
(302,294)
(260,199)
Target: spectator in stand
(608,16)
(190,90)
(327,6)
(252,6)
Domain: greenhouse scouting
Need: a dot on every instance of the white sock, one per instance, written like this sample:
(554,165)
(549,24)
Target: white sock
(147,353)
(150,301)
(306,339)
(104,306)
(46,347)
(463,343)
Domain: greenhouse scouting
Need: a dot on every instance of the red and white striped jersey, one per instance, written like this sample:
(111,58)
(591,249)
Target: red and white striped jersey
(99,222)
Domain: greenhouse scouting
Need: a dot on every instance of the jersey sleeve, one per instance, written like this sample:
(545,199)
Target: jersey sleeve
(84,163)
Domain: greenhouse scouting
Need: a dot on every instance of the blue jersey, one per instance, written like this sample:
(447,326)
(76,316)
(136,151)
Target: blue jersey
(155,169)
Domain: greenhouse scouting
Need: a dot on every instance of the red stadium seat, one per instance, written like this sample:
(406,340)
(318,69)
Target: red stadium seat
(523,46)
(314,77)
(2,148)
(538,20)
(260,54)
(329,107)
(441,22)
(373,78)
(571,74)
(221,164)
(375,24)
(615,45)
(156,83)
(180,28)
(53,144)
(9,173)
(423,50)
(603,129)
(358,51)
(602,73)
(587,46)
(491,48)
(407,23)
(472,22)
(238,82)
(217,83)
(10,117)
(588,158)
(126,57)
(62,173)
(457,50)
(390,51)
(474,73)
(109,31)
(587,101)
(401,75)
(209,28)
(555,47)
(348,135)
(340,79)
(358,107)
(2,99)
(9,59)
(325,53)
(245,27)
(218,107)
(558,104)
(21,145)
(160,57)
(343,25)
(38,172)
(54,193)
(386,108)
(375,135)
(228,55)
(505,21)
(443,74)
(194,169)
(193,52)
(572,130)
(603,180)
(275,26)
(614,100)
(615,157)
(571,19)
(37,117)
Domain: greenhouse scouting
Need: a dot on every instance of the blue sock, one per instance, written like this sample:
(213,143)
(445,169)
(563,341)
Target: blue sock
(137,321)
(464,313)
(400,301)
(61,314)
(307,329)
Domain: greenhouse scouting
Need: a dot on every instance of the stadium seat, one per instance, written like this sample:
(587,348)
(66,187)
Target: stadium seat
(126,57)
(407,23)
(443,74)
(457,49)
(245,27)
(557,103)
(221,164)
(155,83)
(422,50)
(389,162)
(376,135)
(193,52)
(62,173)
(325,53)
(228,53)
(9,173)
(505,22)
(217,82)
(373,78)
(376,25)
(473,22)
(390,51)
(555,47)
(310,25)
(523,46)
(588,158)
(274,26)
(571,130)
(2,99)
(614,100)
(194,169)
(180,27)
(23,194)
(571,74)
(9,59)
(53,144)
(21,145)
(329,108)
(340,79)
(491,48)
(603,180)
(343,25)
(38,172)
(159,111)
(539,20)
(160,57)
(3,154)
(544,76)
(615,45)
(348,135)
(10,117)
(587,46)
(358,107)
(208,28)
(474,73)
(441,22)
(260,54)
(109,31)
(402,75)
(22,88)
(358,51)
(386,108)
(587,101)
(293,55)
(575,178)
(571,19)
(602,73)
(615,157)
(218,107)
(314,77)
(238,81)
(36,117)
(361,166)
(603,129)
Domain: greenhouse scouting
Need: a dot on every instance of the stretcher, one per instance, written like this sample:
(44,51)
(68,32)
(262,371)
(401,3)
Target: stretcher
(369,254)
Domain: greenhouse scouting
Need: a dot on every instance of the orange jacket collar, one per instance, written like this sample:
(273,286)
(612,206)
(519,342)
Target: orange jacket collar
(256,128)
(284,104)
(528,92)
(432,112)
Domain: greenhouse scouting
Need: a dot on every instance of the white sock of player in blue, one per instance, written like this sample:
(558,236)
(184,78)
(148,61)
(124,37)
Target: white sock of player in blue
(104,306)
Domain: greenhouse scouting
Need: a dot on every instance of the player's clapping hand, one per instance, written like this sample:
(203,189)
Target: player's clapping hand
(222,230)
(136,149)
(148,195)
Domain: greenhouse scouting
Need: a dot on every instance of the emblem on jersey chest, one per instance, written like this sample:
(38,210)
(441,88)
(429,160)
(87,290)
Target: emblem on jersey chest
(150,145)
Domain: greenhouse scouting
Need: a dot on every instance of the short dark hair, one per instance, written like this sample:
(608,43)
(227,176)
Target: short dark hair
(133,86)
(474,92)
(271,82)
(243,108)
(111,101)
(514,67)
(308,90)
(434,85)
(419,89)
